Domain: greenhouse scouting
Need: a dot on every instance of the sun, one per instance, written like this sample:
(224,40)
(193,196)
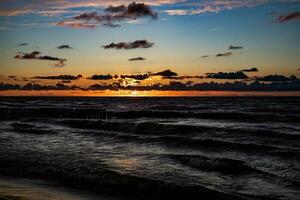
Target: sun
(134,93)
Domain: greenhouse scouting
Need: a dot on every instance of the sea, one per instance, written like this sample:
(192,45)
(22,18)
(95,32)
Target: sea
(156,147)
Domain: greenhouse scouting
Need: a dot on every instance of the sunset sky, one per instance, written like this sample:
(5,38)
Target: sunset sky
(157,45)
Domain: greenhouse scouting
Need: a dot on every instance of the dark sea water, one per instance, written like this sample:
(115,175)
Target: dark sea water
(156,148)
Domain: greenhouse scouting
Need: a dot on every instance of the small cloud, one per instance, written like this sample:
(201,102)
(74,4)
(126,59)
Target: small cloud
(61,63)
(205,56)
(177,12)
(35,55)
(75,25)
(293,16)
(64,46)
(101,77)
(227,54)
(165,73)
(130,45)
(276,78)
(59,77)
(183,77)
(133,10)
(136,76)
(231,47)
(227,75)
(137,59)
(254,69)
(116,9)
(23,44)
(66,81)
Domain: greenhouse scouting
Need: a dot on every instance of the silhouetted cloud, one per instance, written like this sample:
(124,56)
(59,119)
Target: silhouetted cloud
(66,81)
(205,86)
(59,77)
(35,55)
(165,73)
(101,77)
(64,46)
(61,63)
(231,47)
(32,55)
(267,83)
(12,77)
(183,77)
(116,9)
(137,59)
(112,15)
(293,16)
(23,44)
(136,76)
(224,54)
(227,75)
(276,78)
(7,86)
(205,56)
(133,10)
(129,45)
(254,69)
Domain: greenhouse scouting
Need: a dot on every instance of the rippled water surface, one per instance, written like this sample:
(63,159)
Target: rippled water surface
(225,148)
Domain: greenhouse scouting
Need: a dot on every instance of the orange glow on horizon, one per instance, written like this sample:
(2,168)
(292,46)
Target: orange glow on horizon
(135,93)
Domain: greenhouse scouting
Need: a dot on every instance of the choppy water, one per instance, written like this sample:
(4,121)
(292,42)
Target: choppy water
(218,148)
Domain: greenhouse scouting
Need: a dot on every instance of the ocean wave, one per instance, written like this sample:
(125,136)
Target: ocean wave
(108,181)
(7,113)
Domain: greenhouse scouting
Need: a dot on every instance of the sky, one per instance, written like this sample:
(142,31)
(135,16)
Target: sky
(172,47)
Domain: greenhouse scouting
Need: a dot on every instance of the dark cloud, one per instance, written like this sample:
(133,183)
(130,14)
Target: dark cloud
(254,69)
(61,63)
(227,75)
(165,73)
(7,86)
(66,81)
(88,16)
(64,46)
(224,54)
(112,15)
(136,76)
(116,9)
(32,55)
(137,59)
(276,78)
(101,77)
(58,86)
(183,77)
(287,84)
(35,55)
(205,56)
(231,47)
(293,16)
(34,86)
(129,45)
(23,44)
(59,77)
(135,10)
(206,86)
